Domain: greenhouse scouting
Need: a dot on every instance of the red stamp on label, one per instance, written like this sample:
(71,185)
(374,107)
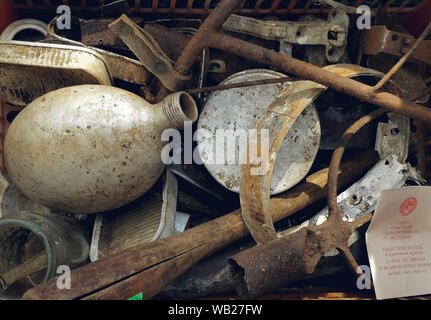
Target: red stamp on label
(408,206)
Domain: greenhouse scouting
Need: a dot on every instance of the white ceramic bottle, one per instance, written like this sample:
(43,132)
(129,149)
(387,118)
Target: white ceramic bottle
(91,148)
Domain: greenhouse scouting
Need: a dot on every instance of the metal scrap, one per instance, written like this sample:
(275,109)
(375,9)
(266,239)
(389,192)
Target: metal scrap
(96,32)
(379,39)
(278,119)
(295,254)
(121,67)
(143,45)
(331,33)
(14,29)
(28,69)
(148,219)
(209,35)
(124,262)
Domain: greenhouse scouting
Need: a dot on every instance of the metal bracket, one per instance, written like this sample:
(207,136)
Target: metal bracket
(392,138)
(331,33)
(143,45)
(379,39)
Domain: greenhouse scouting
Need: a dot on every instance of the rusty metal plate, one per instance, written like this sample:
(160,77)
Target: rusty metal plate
(97,33)
(28,70)
(379,39)
(242,108)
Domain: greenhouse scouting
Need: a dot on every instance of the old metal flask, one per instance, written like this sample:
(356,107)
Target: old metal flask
(91,148)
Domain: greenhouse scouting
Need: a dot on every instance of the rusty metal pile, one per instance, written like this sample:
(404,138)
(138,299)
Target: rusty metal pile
(182,152)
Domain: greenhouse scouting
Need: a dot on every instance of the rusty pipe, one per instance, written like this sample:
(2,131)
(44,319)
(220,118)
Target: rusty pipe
(270,265)
(209,35)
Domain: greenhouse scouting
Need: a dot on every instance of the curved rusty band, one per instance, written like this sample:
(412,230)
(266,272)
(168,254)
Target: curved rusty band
(278,119)
(337,155)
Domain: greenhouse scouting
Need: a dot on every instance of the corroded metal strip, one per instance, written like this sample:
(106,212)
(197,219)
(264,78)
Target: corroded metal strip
(143,45)
(29,70)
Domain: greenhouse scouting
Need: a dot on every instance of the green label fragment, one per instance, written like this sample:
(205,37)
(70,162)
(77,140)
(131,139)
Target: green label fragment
(139,296)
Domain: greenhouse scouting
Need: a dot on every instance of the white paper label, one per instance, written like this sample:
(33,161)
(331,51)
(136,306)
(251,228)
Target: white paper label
(399,243)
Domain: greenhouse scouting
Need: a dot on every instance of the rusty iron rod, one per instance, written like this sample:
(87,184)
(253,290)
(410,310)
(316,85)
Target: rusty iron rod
(209,35)
(403,59)
(240,85)
(37,263)
(149,268)
(331,80)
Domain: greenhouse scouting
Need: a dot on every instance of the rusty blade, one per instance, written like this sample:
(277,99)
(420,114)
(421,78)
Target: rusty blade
(33,69)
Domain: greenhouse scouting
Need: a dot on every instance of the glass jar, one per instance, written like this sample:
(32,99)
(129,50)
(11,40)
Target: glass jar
(24,235)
